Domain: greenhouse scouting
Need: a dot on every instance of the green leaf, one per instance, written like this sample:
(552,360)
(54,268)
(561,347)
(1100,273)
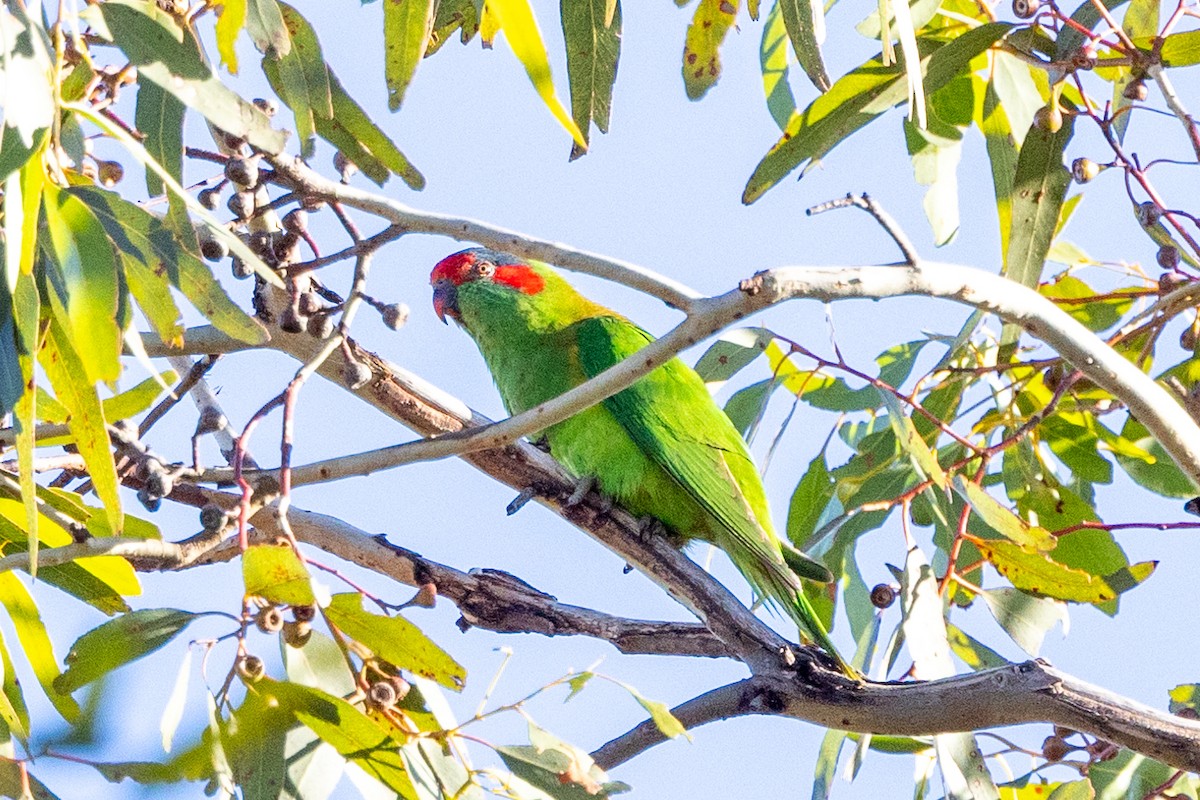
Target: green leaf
(593,43)
(701,47)
(746,406)
(516,19)
(406,28)
(173,712)
(1039,188)
(132,402)
(14,698)
(264,23)
(159,117)
(858,98)
(804,21)
(1077,447)
(453,15)
(1039,574)
(1025,618)
(145,237)
(774,62)
(1159,473)
(1185,695)
(561,770)
(306,84)
(660,714)
(935,152)
(1086,16)
(922,458)
(973,653)
(85,283)
(66,373)
(276,573)
(231,20)
(730,353)
(395,640)
(170,56)
(25,69)
(1002,520)
(353,734)
(809,500)
(118,642)
(35,642)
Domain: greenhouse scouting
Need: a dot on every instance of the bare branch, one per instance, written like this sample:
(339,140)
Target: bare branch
(311,183)
(1016,694)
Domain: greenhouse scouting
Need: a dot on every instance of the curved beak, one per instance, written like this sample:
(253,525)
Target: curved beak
(445,300)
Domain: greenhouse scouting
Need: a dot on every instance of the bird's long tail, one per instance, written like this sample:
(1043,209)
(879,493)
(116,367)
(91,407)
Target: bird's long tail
(780,584)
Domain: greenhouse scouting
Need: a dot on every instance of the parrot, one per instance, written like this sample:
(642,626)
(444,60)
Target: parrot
(661,448)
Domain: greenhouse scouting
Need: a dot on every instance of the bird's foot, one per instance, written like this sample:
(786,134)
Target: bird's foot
(582,487)
(518,502)
(651,527)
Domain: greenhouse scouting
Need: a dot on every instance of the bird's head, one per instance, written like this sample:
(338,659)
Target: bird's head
(479,265)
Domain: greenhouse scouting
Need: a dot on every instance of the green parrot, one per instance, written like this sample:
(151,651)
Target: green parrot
(661,448)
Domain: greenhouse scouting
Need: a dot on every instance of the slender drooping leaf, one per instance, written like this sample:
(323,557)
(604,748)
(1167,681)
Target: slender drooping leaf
(67,375)
(84,283)
(1039,188)
(264,23)
(702,46)
(229,24)
(353,734)
(406,28)
(516,19)
(159,116)
(859,97)
(146,238)
(306,84)
(805,24)
(593,43)
(170,56)
(35,642)
(774,62)
(1025,618)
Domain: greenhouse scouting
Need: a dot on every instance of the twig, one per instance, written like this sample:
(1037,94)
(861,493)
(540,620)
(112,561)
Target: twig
(885,220)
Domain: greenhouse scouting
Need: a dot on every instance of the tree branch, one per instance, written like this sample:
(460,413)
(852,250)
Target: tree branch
(1150,403)
(1016,694)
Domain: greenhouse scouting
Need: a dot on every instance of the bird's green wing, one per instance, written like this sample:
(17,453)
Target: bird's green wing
(673,419)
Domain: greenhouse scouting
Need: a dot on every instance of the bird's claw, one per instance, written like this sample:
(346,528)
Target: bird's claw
(518,502)
(582,487)
(651,527)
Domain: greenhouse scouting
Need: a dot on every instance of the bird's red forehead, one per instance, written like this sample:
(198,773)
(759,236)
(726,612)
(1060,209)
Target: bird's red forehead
(455,268)
(461,268)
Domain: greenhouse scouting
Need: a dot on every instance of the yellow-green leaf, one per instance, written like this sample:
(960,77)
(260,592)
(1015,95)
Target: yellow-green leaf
(701,48)
(406,28)
(592,35)
(229,24)
(119,641)
(66,373)
(395,640)
(35,642)
(516,19)
(276,573)
(1039,574)
(86,300)
(1002,520)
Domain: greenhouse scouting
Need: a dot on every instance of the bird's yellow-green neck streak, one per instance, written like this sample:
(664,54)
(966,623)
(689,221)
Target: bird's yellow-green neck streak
(661,448)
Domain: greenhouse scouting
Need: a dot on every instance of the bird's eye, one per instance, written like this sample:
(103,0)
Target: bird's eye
(482,269)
